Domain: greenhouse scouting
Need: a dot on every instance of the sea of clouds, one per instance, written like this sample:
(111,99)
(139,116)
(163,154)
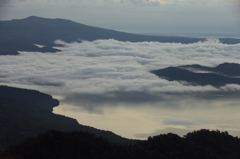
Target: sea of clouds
(110,70)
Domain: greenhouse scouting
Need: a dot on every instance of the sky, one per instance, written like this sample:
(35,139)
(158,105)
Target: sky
(218,18)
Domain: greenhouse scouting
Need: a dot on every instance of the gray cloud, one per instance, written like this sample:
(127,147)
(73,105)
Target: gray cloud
(113,98)
(76,2)
(180,121)
(96,103)
(42,82)
(4,2)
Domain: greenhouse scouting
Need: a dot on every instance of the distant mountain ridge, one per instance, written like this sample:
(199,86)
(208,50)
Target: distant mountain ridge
(21,35)
(221,75)
(227,69)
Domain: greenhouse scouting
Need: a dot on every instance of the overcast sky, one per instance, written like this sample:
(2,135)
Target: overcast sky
(136,16)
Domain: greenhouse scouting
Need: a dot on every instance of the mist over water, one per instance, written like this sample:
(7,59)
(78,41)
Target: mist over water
(177,113)
(107,84)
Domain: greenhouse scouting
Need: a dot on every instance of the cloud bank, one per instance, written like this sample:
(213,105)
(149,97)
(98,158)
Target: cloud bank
(111,73)
(109,65)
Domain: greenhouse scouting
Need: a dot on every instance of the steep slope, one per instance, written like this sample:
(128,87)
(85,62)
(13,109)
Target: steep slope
(25,113)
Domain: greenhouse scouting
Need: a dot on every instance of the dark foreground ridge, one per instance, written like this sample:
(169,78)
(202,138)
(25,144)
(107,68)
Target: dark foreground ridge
(203,144)
(25,113)
(226,73)
(21,35)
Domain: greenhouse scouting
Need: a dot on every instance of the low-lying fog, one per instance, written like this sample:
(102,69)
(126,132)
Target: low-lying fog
(106,84)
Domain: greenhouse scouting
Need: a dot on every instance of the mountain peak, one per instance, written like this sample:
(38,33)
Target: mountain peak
(31,17)
(226,64)
(34,18)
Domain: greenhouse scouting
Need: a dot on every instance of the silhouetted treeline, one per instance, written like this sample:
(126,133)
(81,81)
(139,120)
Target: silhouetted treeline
(202,144)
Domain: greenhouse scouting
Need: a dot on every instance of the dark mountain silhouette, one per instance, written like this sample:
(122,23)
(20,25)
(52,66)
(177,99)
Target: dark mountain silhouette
(227,69)
(202,144)
(221,75)
(21,35)
(25,113)
(9,52)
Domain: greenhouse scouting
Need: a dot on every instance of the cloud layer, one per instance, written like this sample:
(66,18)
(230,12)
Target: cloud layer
(109,73)
(109,65)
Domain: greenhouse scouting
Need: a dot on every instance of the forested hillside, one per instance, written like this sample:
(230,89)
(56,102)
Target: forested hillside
(202,144)
(25,113)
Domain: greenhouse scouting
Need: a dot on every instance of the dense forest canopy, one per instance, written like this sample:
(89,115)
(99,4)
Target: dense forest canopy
(57,144)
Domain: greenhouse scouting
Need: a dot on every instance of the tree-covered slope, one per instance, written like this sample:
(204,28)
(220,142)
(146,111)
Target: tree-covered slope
(203,144)
(25,113)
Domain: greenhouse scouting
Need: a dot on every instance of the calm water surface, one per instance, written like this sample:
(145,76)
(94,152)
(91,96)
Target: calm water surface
(179,114)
